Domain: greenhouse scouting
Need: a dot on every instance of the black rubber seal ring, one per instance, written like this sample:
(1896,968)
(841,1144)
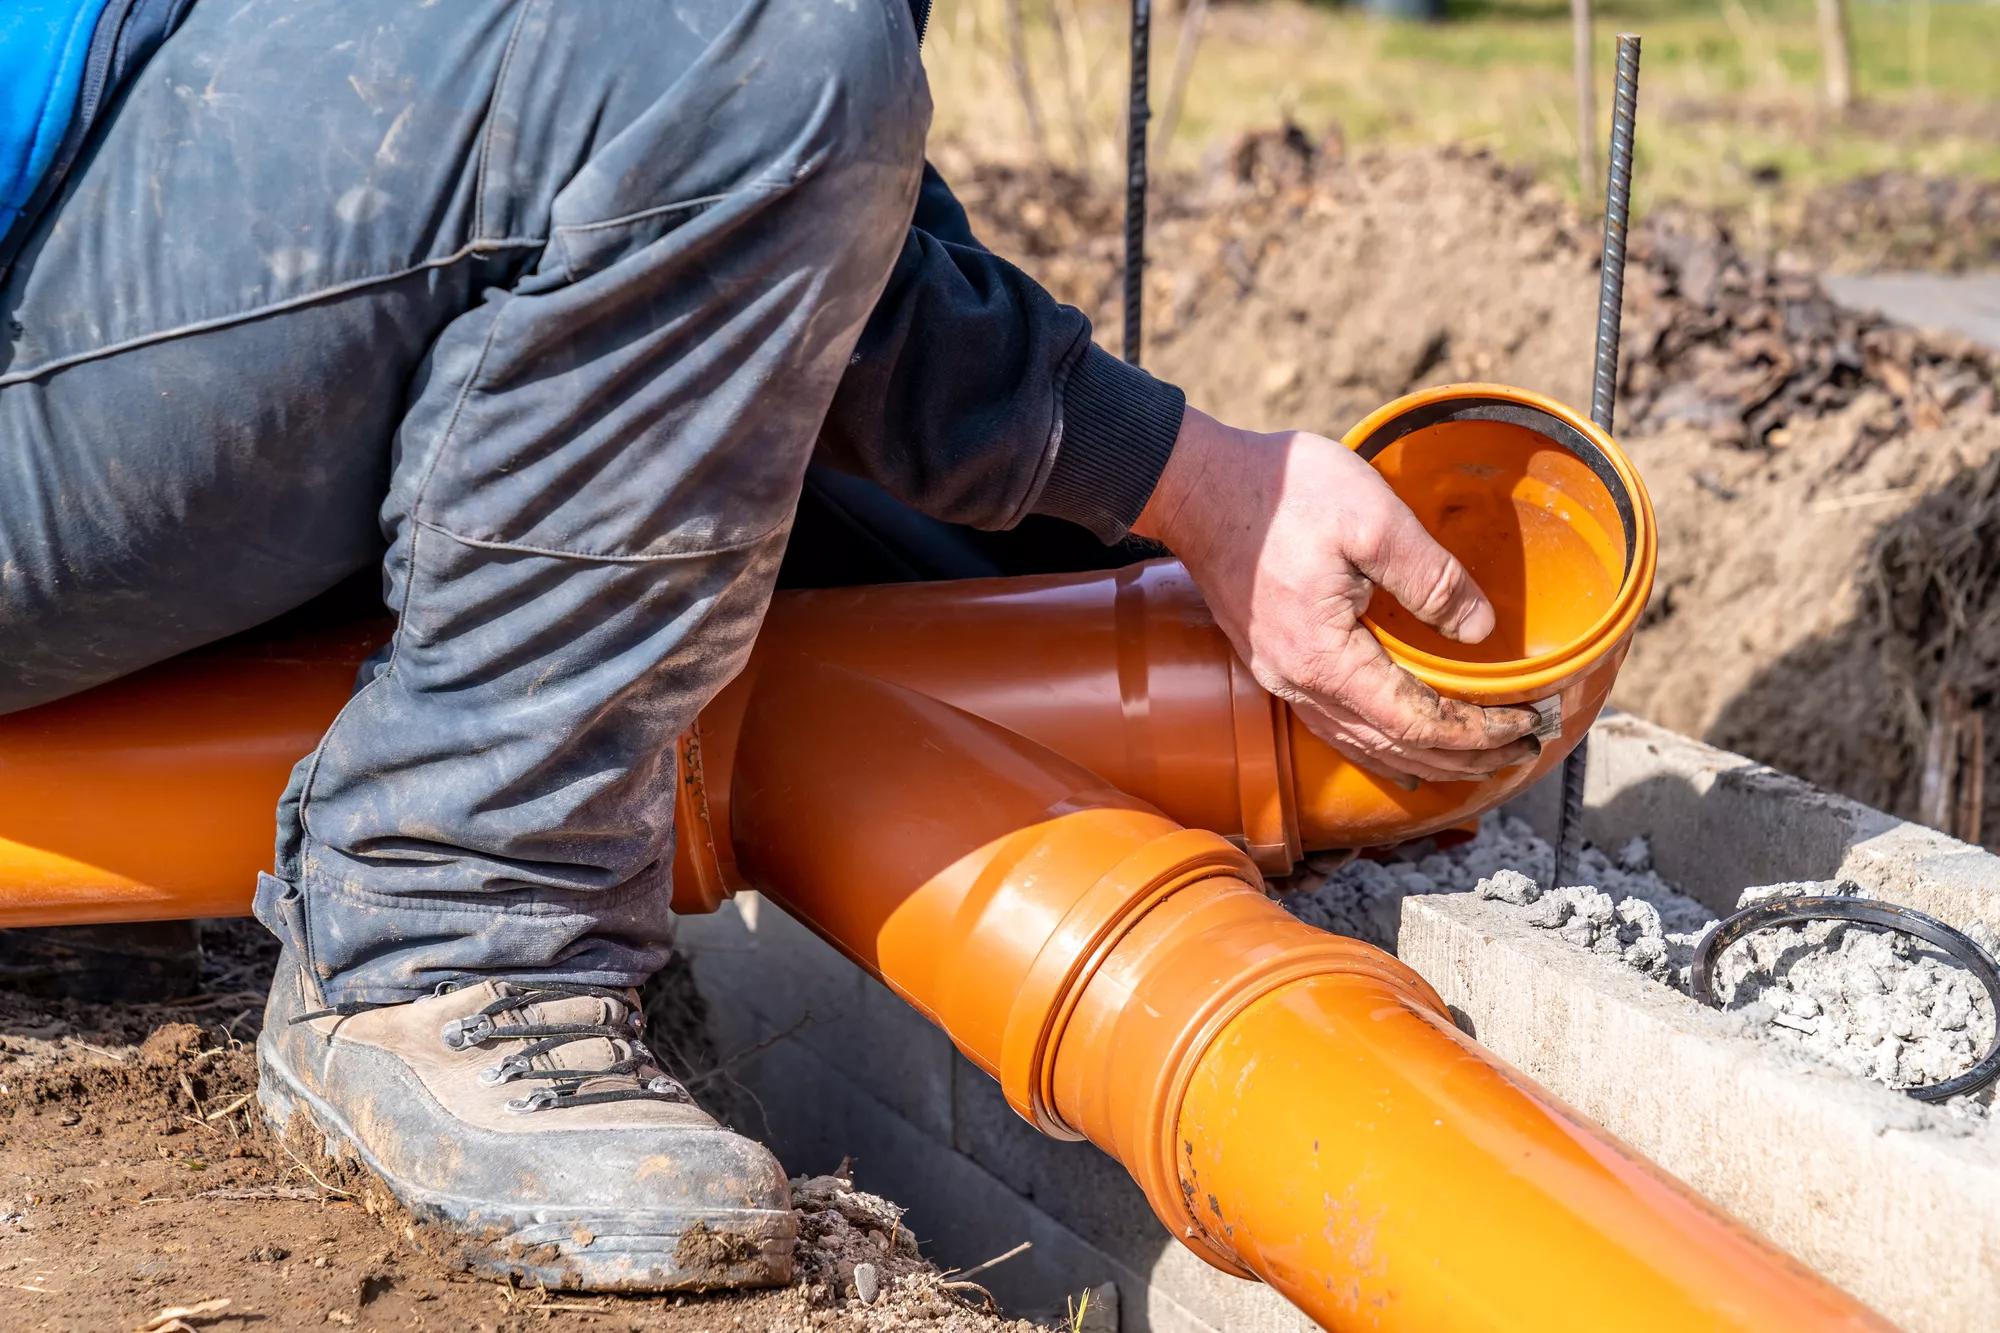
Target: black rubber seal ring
(1533,419)
(1868,912)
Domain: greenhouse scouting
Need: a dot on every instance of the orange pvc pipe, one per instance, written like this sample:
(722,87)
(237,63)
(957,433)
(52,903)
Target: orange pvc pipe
(977,793)
(152,798)
(1296,1106)
(1383,1171)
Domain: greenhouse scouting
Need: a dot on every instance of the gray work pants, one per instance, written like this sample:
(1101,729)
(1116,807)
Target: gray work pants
(548,298)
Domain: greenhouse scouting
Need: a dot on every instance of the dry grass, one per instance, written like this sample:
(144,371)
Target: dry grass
(1729,113)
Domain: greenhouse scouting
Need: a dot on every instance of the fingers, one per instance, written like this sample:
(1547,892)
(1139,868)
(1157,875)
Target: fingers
(1482,763)
(1416,717)
(1407,562)
(1379,754)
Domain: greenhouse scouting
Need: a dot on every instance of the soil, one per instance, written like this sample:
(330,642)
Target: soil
(138,1179)
(1824,479)
(1894,220)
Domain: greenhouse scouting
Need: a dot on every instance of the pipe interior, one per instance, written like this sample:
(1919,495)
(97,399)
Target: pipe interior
(1522,499)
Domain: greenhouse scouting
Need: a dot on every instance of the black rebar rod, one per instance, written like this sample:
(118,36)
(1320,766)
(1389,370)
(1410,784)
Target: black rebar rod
(1136,115)
(1617,216)
(1603,388)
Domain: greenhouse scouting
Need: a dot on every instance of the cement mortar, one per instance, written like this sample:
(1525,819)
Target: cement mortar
(1875,1004)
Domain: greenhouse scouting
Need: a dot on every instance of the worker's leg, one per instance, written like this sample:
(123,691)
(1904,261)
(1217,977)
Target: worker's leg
(205,349)
(595,270)
(592,489)
(572,285)
(206,346)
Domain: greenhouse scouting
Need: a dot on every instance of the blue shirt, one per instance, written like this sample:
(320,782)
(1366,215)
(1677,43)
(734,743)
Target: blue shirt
(44,47)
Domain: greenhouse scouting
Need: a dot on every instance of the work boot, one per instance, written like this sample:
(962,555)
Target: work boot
(531,1120)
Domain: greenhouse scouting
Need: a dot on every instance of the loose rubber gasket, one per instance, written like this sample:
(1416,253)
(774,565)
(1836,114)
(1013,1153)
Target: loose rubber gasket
(1869,912)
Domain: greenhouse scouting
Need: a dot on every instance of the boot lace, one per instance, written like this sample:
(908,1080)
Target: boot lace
(565,1085)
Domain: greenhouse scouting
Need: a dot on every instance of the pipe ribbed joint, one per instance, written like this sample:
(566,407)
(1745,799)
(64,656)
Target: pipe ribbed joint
(1088,934)
(1265,788)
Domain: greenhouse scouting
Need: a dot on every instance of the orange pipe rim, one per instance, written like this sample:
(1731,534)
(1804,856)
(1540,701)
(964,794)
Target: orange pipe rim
(1542,672)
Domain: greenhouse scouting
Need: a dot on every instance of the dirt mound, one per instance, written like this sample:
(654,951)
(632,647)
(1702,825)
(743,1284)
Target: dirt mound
(854,1248)
(1746,351)
(1300,288)
(1904,673)
(1284,295)
(138,1179)
(1899,219)
(1779,433)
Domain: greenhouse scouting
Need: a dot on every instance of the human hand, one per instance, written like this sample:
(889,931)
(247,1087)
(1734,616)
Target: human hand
(1287,535)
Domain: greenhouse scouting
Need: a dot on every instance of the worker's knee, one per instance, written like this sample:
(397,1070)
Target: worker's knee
(864,99)
(826,98)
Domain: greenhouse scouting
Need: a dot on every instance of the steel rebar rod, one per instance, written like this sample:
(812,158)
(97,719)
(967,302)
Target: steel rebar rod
(1136,115)
(1603,387)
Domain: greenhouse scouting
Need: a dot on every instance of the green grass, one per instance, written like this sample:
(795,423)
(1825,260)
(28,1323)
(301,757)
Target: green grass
(1738,47)
(1731,88)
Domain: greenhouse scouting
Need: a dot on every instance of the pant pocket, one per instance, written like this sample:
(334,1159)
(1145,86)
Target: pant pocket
(281,906)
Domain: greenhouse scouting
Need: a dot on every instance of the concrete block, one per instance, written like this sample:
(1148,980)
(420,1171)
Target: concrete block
(1718,822)
(1888,1198)
(1929,871)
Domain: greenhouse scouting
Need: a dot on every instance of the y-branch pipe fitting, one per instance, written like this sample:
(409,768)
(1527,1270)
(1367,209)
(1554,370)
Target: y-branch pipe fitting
(1126,673)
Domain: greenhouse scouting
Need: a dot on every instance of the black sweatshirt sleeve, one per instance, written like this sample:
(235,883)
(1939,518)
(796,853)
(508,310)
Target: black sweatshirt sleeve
(975,397)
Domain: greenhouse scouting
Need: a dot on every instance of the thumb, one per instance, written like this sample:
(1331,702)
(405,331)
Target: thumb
(1408,564)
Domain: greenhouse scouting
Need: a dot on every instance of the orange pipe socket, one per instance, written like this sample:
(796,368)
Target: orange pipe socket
(1295,1105)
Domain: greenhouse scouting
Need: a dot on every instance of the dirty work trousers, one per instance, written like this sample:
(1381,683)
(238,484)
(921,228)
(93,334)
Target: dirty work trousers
(548,297)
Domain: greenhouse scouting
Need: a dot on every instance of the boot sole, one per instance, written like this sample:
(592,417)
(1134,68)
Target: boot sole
(578,1249)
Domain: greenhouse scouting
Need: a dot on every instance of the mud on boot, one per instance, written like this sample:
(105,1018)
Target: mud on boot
(532,1123)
